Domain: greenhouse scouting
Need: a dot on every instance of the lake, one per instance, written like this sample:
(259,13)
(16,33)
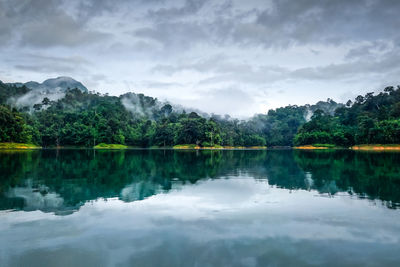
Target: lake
(199,208)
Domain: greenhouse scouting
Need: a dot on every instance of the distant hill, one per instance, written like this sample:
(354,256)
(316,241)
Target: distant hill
(26,95)
(54,85)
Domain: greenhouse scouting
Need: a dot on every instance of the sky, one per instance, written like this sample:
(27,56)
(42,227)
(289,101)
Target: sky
(226,57)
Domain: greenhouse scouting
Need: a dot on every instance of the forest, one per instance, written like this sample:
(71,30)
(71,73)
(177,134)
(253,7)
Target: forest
(370,119)
(86,119)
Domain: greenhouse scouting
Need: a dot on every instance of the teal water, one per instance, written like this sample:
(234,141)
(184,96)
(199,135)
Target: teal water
(199,208)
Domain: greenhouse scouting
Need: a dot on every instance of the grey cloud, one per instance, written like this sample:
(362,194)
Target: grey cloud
(189,7)
(284,23)
(334,22)
(99,77)
(140,49)
(221,100)
(221,69)
(44,23)
(372,49)
(280,24)
(196,22)
(228,99)
(89,8)
(174,36)
(45,68)
(383,66)
(163,85)
(95,80)
(202,65)
(50,64)
(248,75)
(224,70)
(215,44)
(58,30)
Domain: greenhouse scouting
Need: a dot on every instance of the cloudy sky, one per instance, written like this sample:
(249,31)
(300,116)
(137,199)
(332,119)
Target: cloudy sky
(222,56)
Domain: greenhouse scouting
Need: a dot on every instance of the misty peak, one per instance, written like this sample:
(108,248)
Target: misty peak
(61,83)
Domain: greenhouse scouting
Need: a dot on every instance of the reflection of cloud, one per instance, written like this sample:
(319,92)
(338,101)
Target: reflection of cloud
(37,199)
(219,222)
(308,181)
(139,191)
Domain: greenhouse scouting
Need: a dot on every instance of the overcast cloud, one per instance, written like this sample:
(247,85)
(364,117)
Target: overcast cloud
(235,57)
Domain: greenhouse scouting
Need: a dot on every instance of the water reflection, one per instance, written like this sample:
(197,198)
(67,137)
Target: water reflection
(204,208)
(62,181)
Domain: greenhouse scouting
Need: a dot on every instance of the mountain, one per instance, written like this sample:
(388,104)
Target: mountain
(53,85)
(26,95)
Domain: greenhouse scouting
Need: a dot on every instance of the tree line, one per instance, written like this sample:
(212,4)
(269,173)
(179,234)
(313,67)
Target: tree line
(86,119)
(370,119)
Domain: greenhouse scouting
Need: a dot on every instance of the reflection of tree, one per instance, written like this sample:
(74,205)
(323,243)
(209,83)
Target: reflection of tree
(81,175)
(372,175)
(76,176)
(282,171)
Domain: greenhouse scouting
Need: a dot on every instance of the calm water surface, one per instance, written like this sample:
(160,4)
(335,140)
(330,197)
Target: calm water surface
(199,208)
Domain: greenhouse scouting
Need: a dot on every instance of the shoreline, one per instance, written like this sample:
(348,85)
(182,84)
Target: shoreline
(312,148)
(18,146)
(370,147)
(377,147)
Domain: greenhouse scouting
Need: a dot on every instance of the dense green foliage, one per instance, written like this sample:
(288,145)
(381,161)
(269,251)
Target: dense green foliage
(279,126)
(14,127)
(369,120)
(8,91)
(87,119)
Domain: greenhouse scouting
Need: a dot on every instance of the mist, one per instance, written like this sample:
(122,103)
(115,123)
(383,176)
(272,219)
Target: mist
(33,97)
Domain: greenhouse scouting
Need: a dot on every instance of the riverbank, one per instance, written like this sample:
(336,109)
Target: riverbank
(215,147)
(376,147)
(12,145)
(110,146)
(317,146)
(369,147)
